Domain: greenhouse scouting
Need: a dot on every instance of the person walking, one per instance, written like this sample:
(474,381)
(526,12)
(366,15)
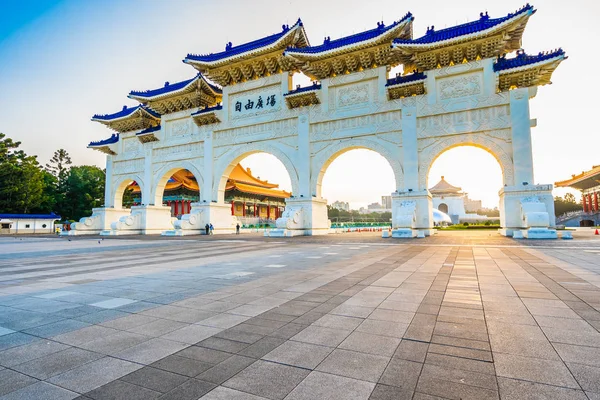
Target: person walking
(237,229)
(212,229)
(207,227)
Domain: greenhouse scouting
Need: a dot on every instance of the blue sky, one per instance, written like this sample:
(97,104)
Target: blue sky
(63,61)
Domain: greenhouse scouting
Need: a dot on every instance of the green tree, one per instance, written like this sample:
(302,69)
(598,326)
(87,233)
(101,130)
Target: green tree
(570,198)
(58,166)
(85,190)
(21,178)
(565,205)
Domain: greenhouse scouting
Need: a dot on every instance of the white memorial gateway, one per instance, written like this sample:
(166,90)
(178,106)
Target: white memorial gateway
(458,87)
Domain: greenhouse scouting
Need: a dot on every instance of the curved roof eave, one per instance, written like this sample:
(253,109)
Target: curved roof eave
(214,60)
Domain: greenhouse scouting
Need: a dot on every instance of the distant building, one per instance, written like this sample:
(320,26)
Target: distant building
(588,182)
(27,223)
(453,201)
(386,202)
(374,206)
(472,206)
(341,205)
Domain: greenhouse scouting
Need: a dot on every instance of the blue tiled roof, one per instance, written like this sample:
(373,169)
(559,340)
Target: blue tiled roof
(417,76)
(168,88)
(522,59)
(149,130)
(208,109)
(113,139)
(231,50)
(482,24)
(30,216)
(314,86)
(126,111)
(356,38)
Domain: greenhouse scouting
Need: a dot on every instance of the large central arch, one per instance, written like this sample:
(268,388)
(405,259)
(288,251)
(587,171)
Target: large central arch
(229,160)
(323,160)
(492,146)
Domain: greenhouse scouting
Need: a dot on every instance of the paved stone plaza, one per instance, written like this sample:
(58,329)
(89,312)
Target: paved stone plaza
(353,316)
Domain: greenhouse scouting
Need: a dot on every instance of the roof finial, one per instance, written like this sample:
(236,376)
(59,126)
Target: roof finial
(326,40)
(124,108)
(166,83)
(442,177)
(228,46)
(431,29)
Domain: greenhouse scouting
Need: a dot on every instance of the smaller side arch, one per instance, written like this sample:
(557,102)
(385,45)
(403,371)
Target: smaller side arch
(324,159)
(120,183)
(163,174)
(504,158)
(226,164)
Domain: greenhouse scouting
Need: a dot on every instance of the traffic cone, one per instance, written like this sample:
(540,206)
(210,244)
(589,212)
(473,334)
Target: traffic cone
(596,233)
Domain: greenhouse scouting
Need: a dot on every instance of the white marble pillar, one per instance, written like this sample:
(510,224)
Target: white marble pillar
(206,192)
(409,149)
(521,136)
(148,177)
(108,199)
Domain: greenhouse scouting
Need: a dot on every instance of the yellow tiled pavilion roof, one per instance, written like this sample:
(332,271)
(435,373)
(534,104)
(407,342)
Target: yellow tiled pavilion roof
(585,180)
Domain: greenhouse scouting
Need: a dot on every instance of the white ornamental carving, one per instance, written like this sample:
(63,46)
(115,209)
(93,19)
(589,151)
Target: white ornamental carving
(194,149)
(264,131)
(131,145)
(464,121)
(125,167)
(452,88)
(374,123)
(353,95)
(180,128)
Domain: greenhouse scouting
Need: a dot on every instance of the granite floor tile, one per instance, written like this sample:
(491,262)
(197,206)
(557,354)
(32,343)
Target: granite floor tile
(12,380)
(371,344)
(115,343)
(157,328)
(56,363)
(223,393)
(41,390)
(150,351)
(267,379)
(385,392)
(322,336)
(338,322)
(453,390)
(204,354)
(119,389)
(534,370)
(94,374)
(191,389)
(298,354)
(579,354)
(318,385)
(191,334)
(182,365)
(355,365)
(225,345)
(28,352)
(402,373)
(155,379)
(587,377)
(262,347)
(513,389)
(226,369)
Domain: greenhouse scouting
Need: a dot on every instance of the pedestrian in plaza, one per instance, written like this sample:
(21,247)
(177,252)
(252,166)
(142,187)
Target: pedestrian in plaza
(237,229)
(212,229)
(207,227)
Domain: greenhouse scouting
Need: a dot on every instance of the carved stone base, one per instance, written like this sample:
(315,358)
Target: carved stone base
(404,233)
(303,217)
(145,220)
(539,233)
(526,206)
(99,221)
(194,223)
(412,214)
